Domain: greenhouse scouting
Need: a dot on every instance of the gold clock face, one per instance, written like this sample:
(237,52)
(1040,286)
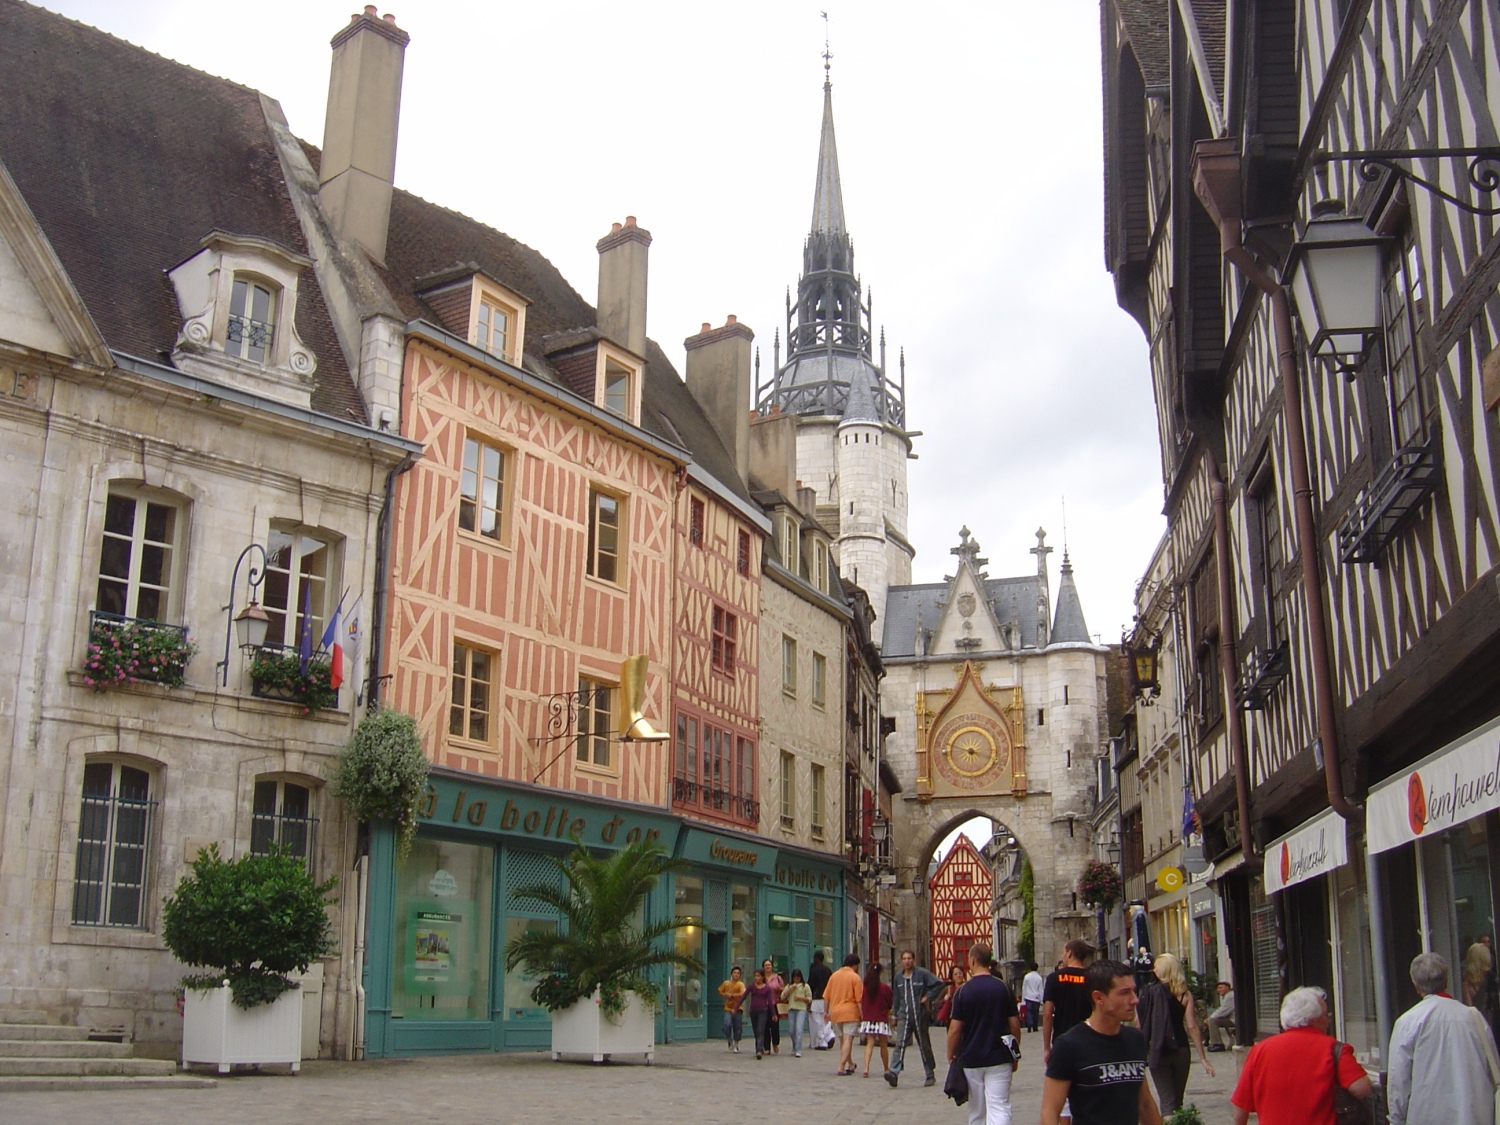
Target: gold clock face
(972,751)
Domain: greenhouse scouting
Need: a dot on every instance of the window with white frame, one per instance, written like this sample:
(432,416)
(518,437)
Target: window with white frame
(819,575)
(281,815)
(605,545)
(617,386)
(788,665)
(114,841)
(788,790)
(471,699)
(138,556)
(481,490)
(787,541)
(497,320)
(251,331)
(818,799)
(819,679)
(596,713)
(300,579)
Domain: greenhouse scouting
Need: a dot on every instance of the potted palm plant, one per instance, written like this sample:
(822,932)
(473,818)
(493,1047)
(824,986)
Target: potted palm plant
(249,922)
(593,972)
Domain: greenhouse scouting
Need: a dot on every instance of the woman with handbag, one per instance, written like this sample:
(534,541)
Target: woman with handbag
(778,1008)
(1295,1078)
(956,977)
(1166,1017)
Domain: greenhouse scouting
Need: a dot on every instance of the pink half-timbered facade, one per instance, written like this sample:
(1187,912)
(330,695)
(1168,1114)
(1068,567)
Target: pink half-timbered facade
(961,892)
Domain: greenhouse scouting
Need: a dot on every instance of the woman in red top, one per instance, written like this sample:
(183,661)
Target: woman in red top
(875,1018)
(1288,1079)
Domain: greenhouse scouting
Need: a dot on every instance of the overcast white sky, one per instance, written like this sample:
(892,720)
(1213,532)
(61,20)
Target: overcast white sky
(969,142)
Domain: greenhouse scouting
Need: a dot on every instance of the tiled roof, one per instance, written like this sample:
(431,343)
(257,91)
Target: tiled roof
(1210,16)
(127,160)
(1147,25)
(909,609)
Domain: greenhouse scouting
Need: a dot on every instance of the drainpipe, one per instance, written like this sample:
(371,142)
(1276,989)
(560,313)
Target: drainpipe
(385,530)
(1216,182)
(1234,723)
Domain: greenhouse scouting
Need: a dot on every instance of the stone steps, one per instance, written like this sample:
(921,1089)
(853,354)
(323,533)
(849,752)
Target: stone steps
(85,1068)
(11,1032)
(38,1083)
(22,1015)
(61,1049)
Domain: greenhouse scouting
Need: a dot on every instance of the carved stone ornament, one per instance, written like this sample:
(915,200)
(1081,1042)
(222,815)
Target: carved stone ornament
(966,604)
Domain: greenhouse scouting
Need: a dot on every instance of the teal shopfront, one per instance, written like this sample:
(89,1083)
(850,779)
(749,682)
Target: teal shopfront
(435,979)
(440,917)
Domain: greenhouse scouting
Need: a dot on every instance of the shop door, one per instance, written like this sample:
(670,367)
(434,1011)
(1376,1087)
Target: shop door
(692,991)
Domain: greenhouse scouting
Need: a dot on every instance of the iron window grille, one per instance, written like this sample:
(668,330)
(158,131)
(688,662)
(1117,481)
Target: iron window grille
(1262,672)
(1389,505)
(282,814)
(114,834)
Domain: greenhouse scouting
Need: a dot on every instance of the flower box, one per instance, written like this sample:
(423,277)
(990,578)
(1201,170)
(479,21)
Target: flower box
(217,1032)
(125,650)
(276,673)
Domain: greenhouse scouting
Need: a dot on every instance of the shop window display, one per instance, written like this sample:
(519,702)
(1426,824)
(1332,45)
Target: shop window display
(443,938)
(518,984)
(687,984)
(742,929)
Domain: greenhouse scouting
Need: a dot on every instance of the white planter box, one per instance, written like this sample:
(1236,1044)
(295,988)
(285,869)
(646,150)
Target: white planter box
(584,1029)
(215,1031)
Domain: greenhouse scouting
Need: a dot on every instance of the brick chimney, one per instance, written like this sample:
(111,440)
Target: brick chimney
(622,284)
(358,169)
(718,376)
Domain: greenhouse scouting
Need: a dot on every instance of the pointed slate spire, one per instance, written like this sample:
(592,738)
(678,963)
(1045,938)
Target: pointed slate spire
(1069,625)
(828,195)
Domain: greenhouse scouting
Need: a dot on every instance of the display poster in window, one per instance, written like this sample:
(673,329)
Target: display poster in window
(436,947)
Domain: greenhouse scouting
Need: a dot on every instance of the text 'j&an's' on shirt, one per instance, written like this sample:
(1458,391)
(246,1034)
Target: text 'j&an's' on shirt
(1105,1072)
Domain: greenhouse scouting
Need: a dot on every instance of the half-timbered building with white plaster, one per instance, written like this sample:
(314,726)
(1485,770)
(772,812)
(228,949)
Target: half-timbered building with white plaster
(1329,474)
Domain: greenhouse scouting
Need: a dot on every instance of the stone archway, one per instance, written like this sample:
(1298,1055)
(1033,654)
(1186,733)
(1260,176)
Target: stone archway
(1057,859)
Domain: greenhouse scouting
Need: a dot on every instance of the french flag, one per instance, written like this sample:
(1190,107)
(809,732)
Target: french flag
(332,644)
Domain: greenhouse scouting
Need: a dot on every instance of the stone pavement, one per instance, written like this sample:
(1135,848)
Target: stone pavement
(690,1084)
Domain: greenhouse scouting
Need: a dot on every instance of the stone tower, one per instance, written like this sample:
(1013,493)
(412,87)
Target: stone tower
(852,441)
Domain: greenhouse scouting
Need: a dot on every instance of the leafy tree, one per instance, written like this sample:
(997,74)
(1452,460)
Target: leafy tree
(1026,946)
(250,920)
(599,945)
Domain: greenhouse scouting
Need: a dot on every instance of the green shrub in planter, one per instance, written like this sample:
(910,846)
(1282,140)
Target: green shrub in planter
(1184,1115)
(600,946)
(250,921)
(382,773)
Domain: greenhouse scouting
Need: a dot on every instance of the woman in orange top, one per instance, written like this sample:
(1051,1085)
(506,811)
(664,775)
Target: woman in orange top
(843,995)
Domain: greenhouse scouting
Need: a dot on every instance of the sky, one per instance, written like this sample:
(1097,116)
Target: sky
(970,152)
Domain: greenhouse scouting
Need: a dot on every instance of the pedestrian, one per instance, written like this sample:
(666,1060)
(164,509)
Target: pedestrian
(1033,984)
(1167,1020)
(733,991)
(843,994)
(956,977)
(774,979)
(1066,1002)
(817,1016)
(875,1017)
(915,989)
(1097,1069)
(798,999)
(1289,1078)
(1444,1067)
(983,1035)
(762,1008)
(1222,1017)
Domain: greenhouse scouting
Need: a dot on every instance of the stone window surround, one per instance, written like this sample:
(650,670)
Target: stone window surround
(209,284)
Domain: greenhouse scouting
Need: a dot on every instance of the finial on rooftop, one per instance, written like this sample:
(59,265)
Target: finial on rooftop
(827,55)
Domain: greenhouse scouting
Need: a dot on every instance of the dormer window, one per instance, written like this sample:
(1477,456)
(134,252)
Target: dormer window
(617,386)
(252,320)
(497,319)
(238,299)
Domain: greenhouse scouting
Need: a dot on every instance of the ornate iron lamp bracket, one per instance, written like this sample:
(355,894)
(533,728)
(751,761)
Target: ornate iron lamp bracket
(1483,170)
(562,715)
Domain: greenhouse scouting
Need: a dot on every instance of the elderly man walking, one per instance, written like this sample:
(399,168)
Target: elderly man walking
(1443,1062)
(913,986)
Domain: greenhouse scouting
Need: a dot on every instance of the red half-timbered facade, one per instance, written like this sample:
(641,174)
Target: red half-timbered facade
(960,891)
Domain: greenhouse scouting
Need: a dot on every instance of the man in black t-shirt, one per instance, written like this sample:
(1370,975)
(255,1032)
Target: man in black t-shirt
(982,1034)
(1099,1067)
(1066,1002)
(817,980)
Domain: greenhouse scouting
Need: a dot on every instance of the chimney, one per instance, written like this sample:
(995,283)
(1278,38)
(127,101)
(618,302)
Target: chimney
(773,452)
(358,169)
(622,285)
(718,376)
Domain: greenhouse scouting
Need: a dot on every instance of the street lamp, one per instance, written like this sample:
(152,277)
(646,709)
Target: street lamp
(1335,275)
(250,625)
(1112,850)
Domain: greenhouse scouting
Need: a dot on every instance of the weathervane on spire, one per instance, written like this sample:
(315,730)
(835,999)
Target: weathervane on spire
(827,54)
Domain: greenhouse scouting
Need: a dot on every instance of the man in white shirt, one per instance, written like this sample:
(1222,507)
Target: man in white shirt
(1444,1067)
(1221,1019)
(1032,986)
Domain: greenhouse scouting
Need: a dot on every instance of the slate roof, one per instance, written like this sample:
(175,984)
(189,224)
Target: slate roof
(910,608)
(828,192)
(127,160)
(1067,622)
(1147,27)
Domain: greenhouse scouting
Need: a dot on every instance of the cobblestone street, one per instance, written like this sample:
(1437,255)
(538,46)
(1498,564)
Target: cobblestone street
(689,1084)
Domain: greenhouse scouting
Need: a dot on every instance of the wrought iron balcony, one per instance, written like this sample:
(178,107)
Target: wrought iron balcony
(1261,673)
(692,794)
(1389,504)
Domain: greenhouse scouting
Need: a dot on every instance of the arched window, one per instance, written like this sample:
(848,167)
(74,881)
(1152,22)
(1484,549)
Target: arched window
(252,319)
(114,834)
(282,813)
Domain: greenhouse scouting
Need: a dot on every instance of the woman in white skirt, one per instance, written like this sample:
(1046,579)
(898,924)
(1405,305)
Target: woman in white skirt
(875,1018)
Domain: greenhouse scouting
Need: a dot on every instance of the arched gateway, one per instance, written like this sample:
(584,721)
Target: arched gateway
(1000,711)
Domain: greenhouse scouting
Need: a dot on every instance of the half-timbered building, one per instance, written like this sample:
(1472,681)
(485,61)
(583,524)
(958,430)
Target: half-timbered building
(960,897)
(1329,483)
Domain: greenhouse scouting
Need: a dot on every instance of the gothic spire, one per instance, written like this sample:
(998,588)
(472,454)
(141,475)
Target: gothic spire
(828,195)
